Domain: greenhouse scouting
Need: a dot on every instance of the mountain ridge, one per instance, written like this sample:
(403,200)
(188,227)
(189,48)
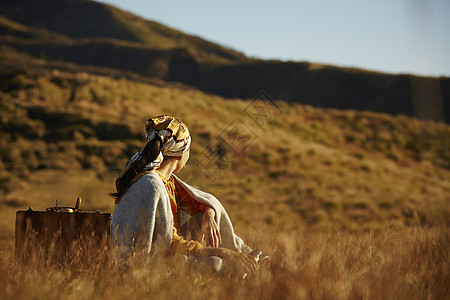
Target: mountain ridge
(104,21)
(120,40)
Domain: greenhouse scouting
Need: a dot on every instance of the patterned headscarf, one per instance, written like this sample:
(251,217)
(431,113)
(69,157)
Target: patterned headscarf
(173,133)
(174,136)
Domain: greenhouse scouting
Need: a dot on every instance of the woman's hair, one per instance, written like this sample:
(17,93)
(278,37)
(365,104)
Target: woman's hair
(148,154)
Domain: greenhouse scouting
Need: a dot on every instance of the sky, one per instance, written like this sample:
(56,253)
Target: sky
(392,36)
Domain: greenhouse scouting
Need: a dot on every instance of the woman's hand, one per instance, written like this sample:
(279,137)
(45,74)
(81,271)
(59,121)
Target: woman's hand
(210,229)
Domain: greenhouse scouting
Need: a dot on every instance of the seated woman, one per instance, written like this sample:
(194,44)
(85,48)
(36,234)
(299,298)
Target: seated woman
(150,197)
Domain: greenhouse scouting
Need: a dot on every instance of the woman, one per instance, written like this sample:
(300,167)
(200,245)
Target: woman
(149,200)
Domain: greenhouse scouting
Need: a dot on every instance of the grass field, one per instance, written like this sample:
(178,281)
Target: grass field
(392,264)
(349,205)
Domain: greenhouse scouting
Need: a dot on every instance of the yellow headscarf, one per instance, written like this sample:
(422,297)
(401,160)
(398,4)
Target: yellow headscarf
(174,136)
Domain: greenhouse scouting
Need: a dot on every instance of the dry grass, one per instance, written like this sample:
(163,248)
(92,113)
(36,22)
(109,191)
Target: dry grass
(393,264)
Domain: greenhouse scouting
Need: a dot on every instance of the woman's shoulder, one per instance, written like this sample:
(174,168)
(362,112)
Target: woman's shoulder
(146,188)
(145,184)
(149,178)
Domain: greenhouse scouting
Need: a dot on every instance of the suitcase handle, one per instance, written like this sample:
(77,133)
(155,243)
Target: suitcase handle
(66,208)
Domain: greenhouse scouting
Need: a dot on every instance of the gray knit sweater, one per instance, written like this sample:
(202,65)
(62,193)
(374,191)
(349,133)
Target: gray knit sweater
(143,217)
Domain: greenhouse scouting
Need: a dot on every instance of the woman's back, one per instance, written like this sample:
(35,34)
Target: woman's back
(143,214)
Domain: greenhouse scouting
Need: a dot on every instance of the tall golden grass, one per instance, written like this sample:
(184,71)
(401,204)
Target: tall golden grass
(391,264)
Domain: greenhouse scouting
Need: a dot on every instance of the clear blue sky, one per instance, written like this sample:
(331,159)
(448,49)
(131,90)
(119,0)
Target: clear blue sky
(394,36)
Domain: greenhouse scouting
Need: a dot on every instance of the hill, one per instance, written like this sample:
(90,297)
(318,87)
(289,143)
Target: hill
(112,38)
(351,169)
(348,204)
(84,19)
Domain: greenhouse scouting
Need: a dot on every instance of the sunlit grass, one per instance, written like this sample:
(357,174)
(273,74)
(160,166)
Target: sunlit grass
(407,263)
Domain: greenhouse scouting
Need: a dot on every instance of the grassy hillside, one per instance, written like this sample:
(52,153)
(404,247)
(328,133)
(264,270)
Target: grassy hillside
(324,86)
(85,19)
(319,167)
(348,204)
(108,37)
(155,60)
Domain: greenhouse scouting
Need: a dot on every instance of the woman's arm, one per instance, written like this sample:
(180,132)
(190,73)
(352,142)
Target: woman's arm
(210,230)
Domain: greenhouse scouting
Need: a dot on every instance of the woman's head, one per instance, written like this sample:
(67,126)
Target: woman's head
(174,134)
(181,161)
(167,138)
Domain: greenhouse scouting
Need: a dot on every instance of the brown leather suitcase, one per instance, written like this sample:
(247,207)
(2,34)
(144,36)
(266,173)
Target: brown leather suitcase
(61,233)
